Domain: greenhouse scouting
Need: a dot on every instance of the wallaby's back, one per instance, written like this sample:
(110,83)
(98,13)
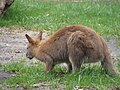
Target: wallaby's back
(57,44)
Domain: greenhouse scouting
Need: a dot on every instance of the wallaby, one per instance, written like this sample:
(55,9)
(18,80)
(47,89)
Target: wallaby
(73,45)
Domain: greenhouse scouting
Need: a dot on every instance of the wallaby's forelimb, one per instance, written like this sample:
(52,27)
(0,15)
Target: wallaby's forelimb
(49,67)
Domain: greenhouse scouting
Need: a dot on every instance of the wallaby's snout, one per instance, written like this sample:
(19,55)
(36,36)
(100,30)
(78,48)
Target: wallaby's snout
(29,56)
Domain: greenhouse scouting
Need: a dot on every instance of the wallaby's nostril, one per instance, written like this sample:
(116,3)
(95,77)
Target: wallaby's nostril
(27,55)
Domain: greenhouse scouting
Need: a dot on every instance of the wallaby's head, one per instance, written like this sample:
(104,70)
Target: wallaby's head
(33,45)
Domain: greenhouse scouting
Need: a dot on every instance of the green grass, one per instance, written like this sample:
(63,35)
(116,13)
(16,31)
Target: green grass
(102,16)
(28,74)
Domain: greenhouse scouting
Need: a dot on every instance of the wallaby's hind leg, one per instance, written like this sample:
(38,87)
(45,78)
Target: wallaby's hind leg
(76,53)
(76,59)
(76,64)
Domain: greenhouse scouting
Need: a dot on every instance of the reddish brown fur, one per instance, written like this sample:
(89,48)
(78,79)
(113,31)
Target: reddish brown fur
(73,45)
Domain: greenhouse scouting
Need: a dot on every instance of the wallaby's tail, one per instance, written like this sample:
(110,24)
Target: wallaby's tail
(107,62)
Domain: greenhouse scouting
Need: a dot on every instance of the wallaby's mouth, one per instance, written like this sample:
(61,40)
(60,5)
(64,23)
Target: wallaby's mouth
(30,58)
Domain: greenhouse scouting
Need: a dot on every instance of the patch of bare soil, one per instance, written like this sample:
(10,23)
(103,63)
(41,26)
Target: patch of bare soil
(13,47)
(113,47)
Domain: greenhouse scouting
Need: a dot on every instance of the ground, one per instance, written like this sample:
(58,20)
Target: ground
(13,46)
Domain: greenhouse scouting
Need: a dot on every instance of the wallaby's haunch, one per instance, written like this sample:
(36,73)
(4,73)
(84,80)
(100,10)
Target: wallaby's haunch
(73,45)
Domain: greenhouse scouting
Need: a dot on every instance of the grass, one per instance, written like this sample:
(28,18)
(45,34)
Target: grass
(102,16)
(28,74)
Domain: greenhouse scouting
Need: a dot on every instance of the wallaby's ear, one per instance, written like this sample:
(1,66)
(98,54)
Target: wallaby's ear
(39,37)
(30,40)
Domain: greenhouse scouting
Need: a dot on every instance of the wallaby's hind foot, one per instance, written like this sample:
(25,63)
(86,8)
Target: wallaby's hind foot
(76,64)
